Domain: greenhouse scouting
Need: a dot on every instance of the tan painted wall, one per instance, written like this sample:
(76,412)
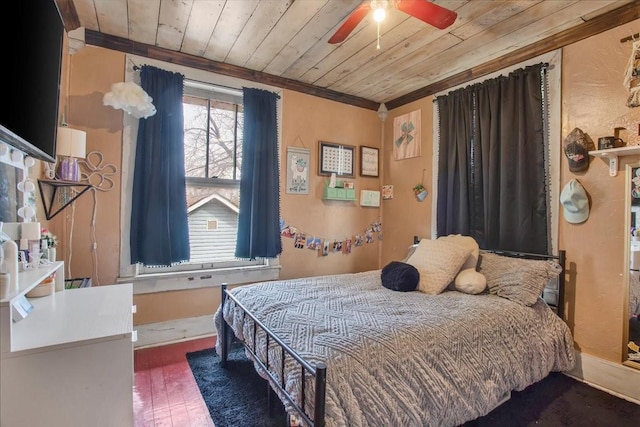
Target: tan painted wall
(163,306)
(594,100)
(306,120)
(404,216)
(90,75)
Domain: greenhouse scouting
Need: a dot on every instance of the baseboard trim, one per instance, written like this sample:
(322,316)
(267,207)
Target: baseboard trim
(613,378)
(172,331)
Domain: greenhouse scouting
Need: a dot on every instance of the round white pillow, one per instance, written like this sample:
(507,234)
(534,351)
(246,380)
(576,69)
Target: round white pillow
(470,281)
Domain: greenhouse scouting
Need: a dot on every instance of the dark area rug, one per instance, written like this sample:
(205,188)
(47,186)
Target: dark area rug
(559,400)
(236,396)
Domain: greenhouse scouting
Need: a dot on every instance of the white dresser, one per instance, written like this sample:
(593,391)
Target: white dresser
(70,361)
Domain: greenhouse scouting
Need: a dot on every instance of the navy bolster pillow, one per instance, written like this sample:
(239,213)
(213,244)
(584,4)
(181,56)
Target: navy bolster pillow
(400,276)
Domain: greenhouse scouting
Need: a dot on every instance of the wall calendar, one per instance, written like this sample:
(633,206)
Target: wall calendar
(336,158)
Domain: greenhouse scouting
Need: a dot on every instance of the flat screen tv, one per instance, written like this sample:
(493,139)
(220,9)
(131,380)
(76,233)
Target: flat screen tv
(33,37)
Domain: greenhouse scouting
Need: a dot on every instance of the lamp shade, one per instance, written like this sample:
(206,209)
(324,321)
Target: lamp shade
(30,230)
(71,142)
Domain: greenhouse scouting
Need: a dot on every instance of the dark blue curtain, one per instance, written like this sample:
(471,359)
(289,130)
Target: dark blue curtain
(455,174)
(259,218)
(492,170)
(159,228)
(511,153)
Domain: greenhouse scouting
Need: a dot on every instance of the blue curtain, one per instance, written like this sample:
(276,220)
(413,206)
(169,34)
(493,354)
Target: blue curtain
(159,227)
(259,218)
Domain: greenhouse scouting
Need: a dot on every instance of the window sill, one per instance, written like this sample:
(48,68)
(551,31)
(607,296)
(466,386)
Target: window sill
(200,279)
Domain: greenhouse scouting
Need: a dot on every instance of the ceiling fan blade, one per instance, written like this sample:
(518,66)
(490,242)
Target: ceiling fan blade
(352,22)
(428,12)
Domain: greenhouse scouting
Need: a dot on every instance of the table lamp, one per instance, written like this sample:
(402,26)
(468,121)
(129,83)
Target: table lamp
(71,144)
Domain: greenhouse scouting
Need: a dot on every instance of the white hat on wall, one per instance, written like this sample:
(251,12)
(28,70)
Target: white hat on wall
(575,202)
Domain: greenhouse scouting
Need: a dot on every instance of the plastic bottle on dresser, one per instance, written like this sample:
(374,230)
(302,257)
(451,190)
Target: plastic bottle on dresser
(10,264)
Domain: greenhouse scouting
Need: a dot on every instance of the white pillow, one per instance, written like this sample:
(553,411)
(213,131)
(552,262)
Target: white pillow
(438,261)
(468,280)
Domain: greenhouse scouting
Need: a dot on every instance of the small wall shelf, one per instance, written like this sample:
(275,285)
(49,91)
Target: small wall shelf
(613,153)
(345,194)
(59,194)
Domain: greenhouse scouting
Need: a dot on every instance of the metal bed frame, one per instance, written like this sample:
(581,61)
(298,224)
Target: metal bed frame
(319,372)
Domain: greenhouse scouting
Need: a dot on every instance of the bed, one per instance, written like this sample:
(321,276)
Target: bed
(344,350)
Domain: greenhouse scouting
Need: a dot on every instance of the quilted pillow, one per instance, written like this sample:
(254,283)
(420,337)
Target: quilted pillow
(438,261)
(400,276)
(517,279)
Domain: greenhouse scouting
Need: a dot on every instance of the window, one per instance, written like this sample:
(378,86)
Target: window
(552,133)
(212,135)
(222,267)
(213,122)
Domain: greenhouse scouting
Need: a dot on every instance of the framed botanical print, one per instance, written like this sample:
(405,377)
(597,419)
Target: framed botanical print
(297,170)
(368,161)
(336,158)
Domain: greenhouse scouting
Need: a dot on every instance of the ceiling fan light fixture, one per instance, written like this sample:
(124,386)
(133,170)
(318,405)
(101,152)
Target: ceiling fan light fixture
(423,10)
(379,9)
(379,14)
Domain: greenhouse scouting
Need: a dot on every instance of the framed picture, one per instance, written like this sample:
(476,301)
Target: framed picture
(407,136)
(336,158)
(369,198)
(387,192)
(297,170)
(368,161)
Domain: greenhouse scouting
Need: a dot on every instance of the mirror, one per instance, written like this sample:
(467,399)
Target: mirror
(631,318)
(11,173)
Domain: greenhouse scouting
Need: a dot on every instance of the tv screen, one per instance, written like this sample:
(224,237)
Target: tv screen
(32,60)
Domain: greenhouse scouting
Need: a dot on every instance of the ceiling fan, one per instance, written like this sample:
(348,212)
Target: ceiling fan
(424,10)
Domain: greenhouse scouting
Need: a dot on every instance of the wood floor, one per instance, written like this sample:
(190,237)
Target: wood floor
(169,393)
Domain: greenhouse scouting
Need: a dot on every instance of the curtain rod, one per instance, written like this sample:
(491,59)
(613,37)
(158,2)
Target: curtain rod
(212,85)
(198,82)
(544,65)
(635,36)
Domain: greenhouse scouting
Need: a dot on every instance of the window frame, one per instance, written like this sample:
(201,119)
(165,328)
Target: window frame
(229,95)
(234,97)
(180,277)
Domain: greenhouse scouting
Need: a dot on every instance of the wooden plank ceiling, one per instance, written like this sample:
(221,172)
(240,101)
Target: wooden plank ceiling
(284,42)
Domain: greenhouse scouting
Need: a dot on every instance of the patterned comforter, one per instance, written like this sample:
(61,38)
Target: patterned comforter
(404,358)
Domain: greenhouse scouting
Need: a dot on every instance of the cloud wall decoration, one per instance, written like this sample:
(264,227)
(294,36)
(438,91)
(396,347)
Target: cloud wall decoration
(131,98)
